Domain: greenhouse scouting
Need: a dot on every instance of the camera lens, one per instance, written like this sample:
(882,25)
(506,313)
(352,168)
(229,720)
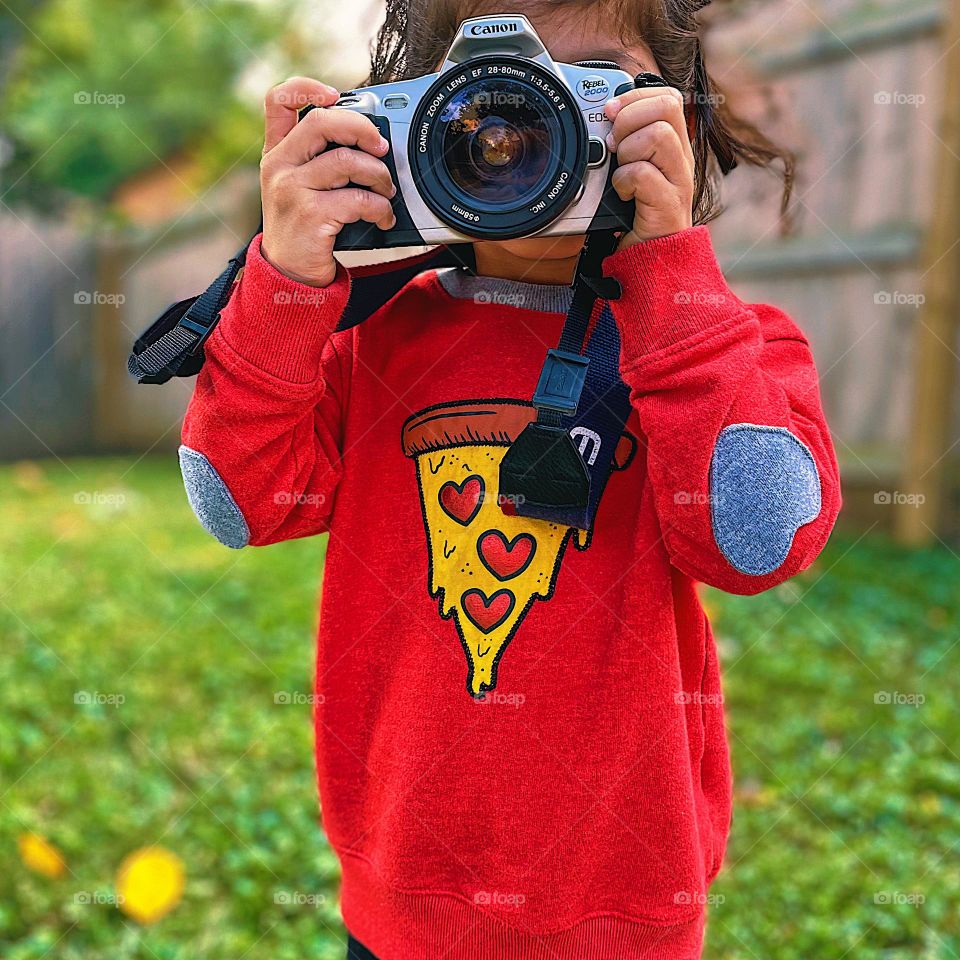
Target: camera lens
(495,145)
(498,144)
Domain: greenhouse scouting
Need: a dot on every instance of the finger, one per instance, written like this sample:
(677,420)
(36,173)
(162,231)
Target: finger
(354,203)
(659,144)
(613,107)
(320,128)
(281,104)
(343,166)
(642,182)
(639,112)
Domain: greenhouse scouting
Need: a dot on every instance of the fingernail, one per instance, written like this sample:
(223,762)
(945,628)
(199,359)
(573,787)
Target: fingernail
(333,91)
(611,143)
(678,94)
(393,191)
(383,145)
(613,108)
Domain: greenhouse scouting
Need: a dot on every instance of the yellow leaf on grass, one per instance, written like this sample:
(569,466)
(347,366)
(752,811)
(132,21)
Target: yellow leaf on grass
(149,884)
(41,856)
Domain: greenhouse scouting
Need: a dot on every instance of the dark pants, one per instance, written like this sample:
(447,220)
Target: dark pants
(357,951)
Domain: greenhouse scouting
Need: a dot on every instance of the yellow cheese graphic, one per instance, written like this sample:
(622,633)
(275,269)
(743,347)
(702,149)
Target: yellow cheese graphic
(486,567)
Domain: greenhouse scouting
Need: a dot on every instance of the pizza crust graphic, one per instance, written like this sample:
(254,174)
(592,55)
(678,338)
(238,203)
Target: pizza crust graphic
(487,568)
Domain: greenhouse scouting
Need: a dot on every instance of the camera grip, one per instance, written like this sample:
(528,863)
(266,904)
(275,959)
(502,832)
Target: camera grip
(360,235)
(614,213)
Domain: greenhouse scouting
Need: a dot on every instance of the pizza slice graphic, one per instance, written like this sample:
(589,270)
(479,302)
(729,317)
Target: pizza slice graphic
(486,568)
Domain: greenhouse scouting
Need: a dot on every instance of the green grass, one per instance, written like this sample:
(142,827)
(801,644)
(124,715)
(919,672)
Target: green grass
(840,800)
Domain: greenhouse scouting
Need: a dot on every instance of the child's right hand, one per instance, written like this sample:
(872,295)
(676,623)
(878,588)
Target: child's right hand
(305,193)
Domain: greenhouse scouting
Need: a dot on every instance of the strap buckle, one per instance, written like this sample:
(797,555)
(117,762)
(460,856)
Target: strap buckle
(201,329)
(204,327)
(561,382)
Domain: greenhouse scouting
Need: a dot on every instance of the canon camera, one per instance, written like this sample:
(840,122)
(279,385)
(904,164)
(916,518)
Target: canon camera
(501,142)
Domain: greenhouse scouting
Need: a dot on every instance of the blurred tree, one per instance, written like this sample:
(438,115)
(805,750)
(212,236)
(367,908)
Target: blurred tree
(94,91)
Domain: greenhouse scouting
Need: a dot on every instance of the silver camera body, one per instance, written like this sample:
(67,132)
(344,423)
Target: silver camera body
(501,142)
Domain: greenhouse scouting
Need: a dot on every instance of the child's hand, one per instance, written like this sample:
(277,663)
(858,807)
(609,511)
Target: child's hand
(306,197)
(655,161)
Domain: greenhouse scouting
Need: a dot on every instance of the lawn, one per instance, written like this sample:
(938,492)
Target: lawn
(155,693)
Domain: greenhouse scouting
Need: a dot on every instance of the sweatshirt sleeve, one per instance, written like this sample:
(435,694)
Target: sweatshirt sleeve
(739,455)
(262,436)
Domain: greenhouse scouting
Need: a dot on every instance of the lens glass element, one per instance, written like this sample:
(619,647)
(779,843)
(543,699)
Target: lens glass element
(496,141)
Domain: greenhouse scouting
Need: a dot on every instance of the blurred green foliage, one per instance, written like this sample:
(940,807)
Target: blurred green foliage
(94,91)
(109,586)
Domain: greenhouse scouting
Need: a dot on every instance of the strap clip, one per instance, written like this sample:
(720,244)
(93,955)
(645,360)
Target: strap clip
(561,382)
(201,329)
(204,327)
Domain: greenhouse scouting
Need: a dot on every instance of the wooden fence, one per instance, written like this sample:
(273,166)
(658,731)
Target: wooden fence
(46,380)
(72,304)
(856,89)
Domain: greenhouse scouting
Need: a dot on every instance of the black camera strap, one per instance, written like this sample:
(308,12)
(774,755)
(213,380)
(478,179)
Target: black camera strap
(579,394)
(172,346)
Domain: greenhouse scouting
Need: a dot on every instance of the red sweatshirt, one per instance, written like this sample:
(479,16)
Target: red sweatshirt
(520,737)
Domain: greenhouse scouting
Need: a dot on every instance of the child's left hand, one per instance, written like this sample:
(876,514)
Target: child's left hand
(655,161)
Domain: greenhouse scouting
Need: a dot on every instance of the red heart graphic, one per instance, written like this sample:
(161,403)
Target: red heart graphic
(506,558)
(487,613)
(462,502)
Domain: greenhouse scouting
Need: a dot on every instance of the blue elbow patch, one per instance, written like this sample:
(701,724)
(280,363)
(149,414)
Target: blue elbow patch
(212,502)
(764,486)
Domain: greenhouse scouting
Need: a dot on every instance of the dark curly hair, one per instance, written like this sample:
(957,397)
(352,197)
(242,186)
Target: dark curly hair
(415,35)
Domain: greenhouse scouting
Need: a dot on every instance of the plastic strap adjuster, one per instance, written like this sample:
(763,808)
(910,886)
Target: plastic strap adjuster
(561,382)
(200,328)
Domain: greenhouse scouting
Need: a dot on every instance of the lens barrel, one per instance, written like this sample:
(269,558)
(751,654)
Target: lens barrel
(498,147)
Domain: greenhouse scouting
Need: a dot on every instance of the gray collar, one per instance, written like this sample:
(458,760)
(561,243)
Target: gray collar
(544,297)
